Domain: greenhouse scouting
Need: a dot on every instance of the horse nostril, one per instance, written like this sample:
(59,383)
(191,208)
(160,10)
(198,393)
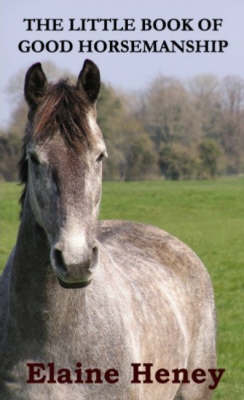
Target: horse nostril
(59,261)
(94,257)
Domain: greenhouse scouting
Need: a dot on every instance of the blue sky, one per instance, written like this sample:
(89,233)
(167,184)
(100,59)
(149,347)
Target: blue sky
(127,71)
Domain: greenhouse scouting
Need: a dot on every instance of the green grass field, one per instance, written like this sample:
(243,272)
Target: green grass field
(209,217)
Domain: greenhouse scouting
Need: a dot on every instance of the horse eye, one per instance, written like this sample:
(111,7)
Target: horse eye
(100,157)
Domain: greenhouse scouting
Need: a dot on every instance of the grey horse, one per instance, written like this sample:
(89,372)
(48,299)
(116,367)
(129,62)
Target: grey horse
(95,309)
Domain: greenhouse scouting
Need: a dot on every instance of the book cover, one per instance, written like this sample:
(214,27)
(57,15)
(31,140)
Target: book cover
(152,97)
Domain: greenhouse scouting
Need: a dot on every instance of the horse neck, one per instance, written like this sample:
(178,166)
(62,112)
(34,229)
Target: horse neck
(34,290)
(30,263)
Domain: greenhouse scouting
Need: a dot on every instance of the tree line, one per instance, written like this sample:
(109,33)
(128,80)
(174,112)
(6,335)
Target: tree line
(173,129)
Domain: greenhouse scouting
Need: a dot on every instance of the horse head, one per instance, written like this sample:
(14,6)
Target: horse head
(62,169)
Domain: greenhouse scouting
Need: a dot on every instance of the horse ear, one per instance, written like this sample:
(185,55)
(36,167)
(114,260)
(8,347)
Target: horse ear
(89,80)
(35,84)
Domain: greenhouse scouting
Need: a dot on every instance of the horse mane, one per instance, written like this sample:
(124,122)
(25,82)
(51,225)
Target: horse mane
(63,108)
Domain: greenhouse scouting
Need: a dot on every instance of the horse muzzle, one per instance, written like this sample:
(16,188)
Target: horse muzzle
(74,270)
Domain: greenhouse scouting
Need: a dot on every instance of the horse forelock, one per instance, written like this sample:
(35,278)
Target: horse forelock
(63,109)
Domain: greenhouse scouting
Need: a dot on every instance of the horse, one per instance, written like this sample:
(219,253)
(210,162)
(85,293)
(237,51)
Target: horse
(90,309)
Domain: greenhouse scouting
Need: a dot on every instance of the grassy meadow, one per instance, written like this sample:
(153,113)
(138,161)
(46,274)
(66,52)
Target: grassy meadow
(209,217)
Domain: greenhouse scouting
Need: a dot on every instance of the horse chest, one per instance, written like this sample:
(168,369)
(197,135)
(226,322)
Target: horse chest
(63,369)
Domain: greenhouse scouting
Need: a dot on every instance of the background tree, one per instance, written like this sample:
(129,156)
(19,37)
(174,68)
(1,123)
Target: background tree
(168,113)
(209,152)
(10,147)
(175,163)
(232,138)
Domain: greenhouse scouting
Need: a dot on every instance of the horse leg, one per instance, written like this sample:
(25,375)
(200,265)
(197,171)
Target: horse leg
(192,393)
(203,356)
